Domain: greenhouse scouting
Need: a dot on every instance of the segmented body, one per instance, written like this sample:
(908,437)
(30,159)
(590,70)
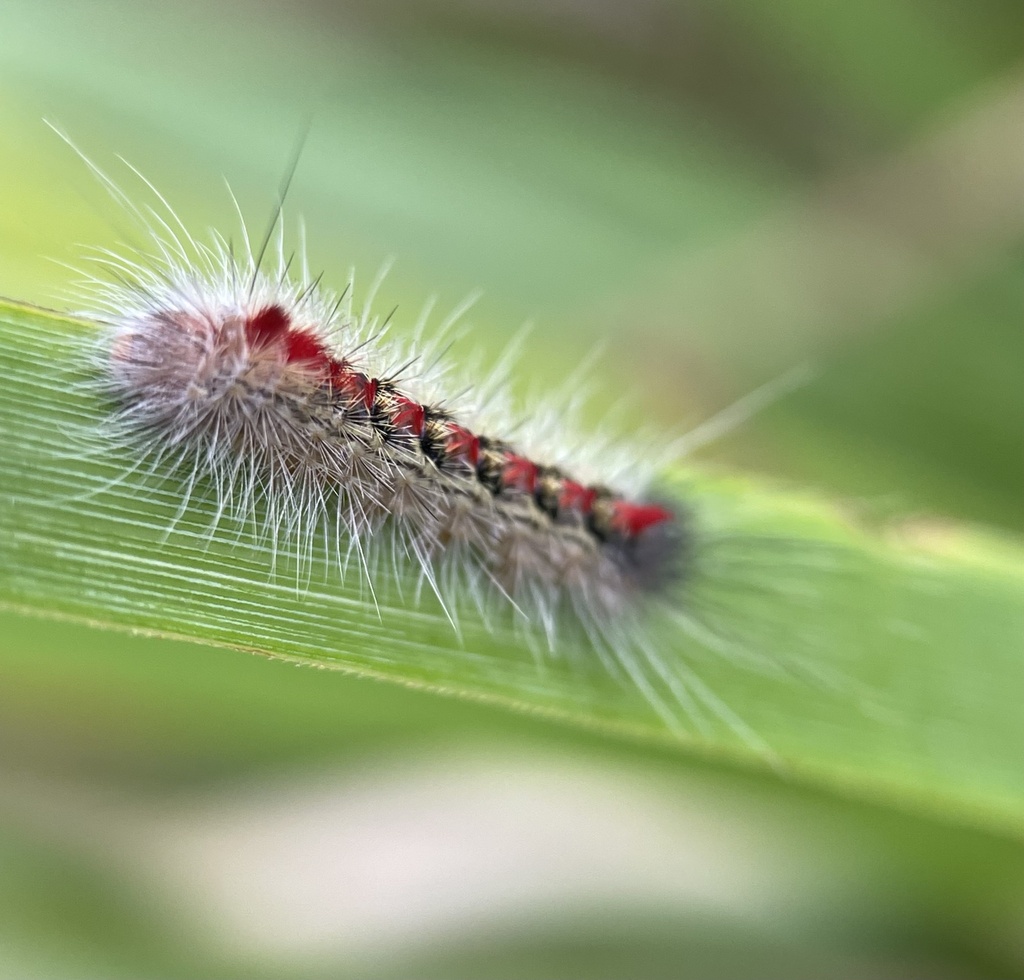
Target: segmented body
(256,382)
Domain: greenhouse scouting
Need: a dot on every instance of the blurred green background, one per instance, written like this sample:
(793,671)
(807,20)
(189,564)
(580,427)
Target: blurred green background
(711,193)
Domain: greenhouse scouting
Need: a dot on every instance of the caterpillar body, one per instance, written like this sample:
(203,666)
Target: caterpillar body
(284,398)
(234,376)
(264,380)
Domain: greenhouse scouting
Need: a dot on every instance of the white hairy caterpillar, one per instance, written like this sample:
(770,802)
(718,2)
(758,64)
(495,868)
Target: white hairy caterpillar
(227,367)
(271,386)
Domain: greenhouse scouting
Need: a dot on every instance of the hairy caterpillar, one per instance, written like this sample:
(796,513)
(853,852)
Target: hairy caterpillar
(235,370)
(272,387)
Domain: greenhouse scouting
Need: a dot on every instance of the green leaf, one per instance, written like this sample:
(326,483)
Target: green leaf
(885,665)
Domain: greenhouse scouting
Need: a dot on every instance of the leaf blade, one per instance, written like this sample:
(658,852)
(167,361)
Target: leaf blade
(874,667)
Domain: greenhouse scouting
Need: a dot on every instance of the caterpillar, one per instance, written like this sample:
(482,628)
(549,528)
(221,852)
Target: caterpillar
(236,371)
(264,378)
(276,391)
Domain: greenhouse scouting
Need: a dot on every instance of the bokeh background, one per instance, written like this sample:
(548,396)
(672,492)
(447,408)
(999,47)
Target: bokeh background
(710,194)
